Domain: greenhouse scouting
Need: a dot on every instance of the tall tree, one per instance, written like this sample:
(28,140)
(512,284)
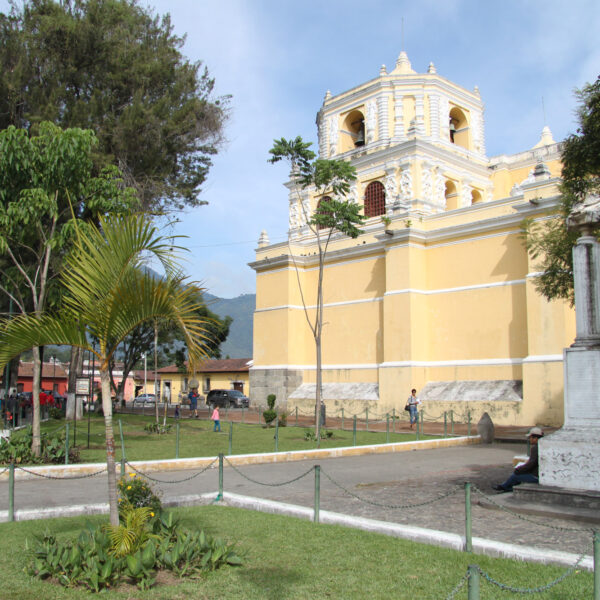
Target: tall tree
(115,67)
(333,215)
(106,296)
(551,241)
(46,184)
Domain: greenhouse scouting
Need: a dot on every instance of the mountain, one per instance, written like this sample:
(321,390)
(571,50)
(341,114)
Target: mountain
(241,309)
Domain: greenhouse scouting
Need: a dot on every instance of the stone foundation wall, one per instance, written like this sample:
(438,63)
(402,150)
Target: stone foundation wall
(281,382)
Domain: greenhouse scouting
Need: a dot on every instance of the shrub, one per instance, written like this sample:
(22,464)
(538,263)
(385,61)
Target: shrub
(55,413)
(283,419)
(102,557)
(271,414)
(311,436)
(17,448)
(157,428)
(136,492)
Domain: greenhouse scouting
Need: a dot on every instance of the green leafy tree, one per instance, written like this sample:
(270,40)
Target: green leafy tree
(47,183)
(334,214)
(106,296)
(114,66)
(551,242)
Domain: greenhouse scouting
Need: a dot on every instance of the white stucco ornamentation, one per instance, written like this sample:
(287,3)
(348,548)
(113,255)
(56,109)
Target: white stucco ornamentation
(333,135)
(476,130)
(426,183)
(306,214)
(353,193)
(406,185)
(398,115)
(371,122)
(382,117)
(419,114)
(391,186)
(322,136)
(294,214)
(465,194)
(516,190)
(434,116)
(440,190)
(444,122)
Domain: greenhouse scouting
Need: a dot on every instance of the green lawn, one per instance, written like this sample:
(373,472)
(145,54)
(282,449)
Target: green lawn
(196,438)
(286,558)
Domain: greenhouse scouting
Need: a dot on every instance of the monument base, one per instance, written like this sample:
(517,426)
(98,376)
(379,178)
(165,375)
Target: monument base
(570,458)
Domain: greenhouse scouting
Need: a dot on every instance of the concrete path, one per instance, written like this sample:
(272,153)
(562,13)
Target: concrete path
(370,486)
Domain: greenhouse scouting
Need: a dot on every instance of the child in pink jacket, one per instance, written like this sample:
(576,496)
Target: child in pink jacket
(215,417)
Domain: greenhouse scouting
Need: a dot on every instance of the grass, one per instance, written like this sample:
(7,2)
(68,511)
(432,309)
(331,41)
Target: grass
(196,438)
(286,558)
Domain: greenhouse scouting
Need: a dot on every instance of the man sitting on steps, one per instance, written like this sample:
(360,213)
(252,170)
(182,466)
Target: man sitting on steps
(527,472)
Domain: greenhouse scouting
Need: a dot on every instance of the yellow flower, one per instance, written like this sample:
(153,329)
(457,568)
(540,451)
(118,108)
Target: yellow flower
(131,474)
(128,487)
(120,499)
(151,514)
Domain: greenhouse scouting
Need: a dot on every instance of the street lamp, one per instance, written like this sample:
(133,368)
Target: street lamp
(145,374)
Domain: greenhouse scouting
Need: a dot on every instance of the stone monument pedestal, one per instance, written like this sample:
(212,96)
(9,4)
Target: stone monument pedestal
(570,457)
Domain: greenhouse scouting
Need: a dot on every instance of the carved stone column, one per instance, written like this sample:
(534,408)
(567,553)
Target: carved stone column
(570,458)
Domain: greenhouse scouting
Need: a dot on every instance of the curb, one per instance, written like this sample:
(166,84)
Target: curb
(420,535)
(149,466)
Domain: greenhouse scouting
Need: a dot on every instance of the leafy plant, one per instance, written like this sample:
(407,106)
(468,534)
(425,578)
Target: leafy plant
(157,428)
(136,492)
(271,414)
(102,557)
(18,448)
(309,435)
(283,417)
(56,413)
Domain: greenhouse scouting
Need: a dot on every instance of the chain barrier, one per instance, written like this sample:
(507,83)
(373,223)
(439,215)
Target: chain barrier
(5,469)
(86,476)
(177,481)
(393,506)
(523,518)
(459,586)
(536,590)
(268,484)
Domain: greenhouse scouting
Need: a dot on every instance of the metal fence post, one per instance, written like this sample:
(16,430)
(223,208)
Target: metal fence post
(67,446)
(123,456)
(445,424)
(452,422)
(387,428)
(367,417)
(469,423)
(277,433)
(342,418)
(11,491)
(394,419)
(596,565)
(317,492)
(354,432)
(468,537)
(177,440)
(473,583)
(296,416)
(220,496)
(230,438)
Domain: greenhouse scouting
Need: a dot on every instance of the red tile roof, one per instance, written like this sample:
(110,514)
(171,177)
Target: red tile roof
(49,370)
(225,365)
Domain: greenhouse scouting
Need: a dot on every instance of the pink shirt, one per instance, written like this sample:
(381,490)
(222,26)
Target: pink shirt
(215,415)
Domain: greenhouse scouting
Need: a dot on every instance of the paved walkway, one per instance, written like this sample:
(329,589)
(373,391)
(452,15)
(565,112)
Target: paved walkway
(373,486)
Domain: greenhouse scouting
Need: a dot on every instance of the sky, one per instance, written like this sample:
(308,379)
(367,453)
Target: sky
(277,59)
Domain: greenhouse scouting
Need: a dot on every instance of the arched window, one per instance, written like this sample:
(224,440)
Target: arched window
(322,212)
(374,199)
(459,128)
(451,196)
(475,197)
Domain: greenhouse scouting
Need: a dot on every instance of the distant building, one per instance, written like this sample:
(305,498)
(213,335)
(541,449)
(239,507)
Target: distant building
(438,292)
(54,377)
(228,374)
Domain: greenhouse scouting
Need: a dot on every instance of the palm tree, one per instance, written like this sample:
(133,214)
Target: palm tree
(107,294)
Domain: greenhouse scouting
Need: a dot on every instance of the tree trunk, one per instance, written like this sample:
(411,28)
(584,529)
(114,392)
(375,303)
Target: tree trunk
(110,446)
(35,397)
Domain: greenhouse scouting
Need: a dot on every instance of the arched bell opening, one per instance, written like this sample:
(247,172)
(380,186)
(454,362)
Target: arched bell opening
(353,131)
(459,128)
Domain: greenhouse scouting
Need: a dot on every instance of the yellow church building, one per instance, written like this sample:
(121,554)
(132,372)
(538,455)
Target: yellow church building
(438,291)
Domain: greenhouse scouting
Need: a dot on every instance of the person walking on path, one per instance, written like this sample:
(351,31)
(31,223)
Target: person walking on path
(193,397)
(215,417)
(527,472)
(413,402)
